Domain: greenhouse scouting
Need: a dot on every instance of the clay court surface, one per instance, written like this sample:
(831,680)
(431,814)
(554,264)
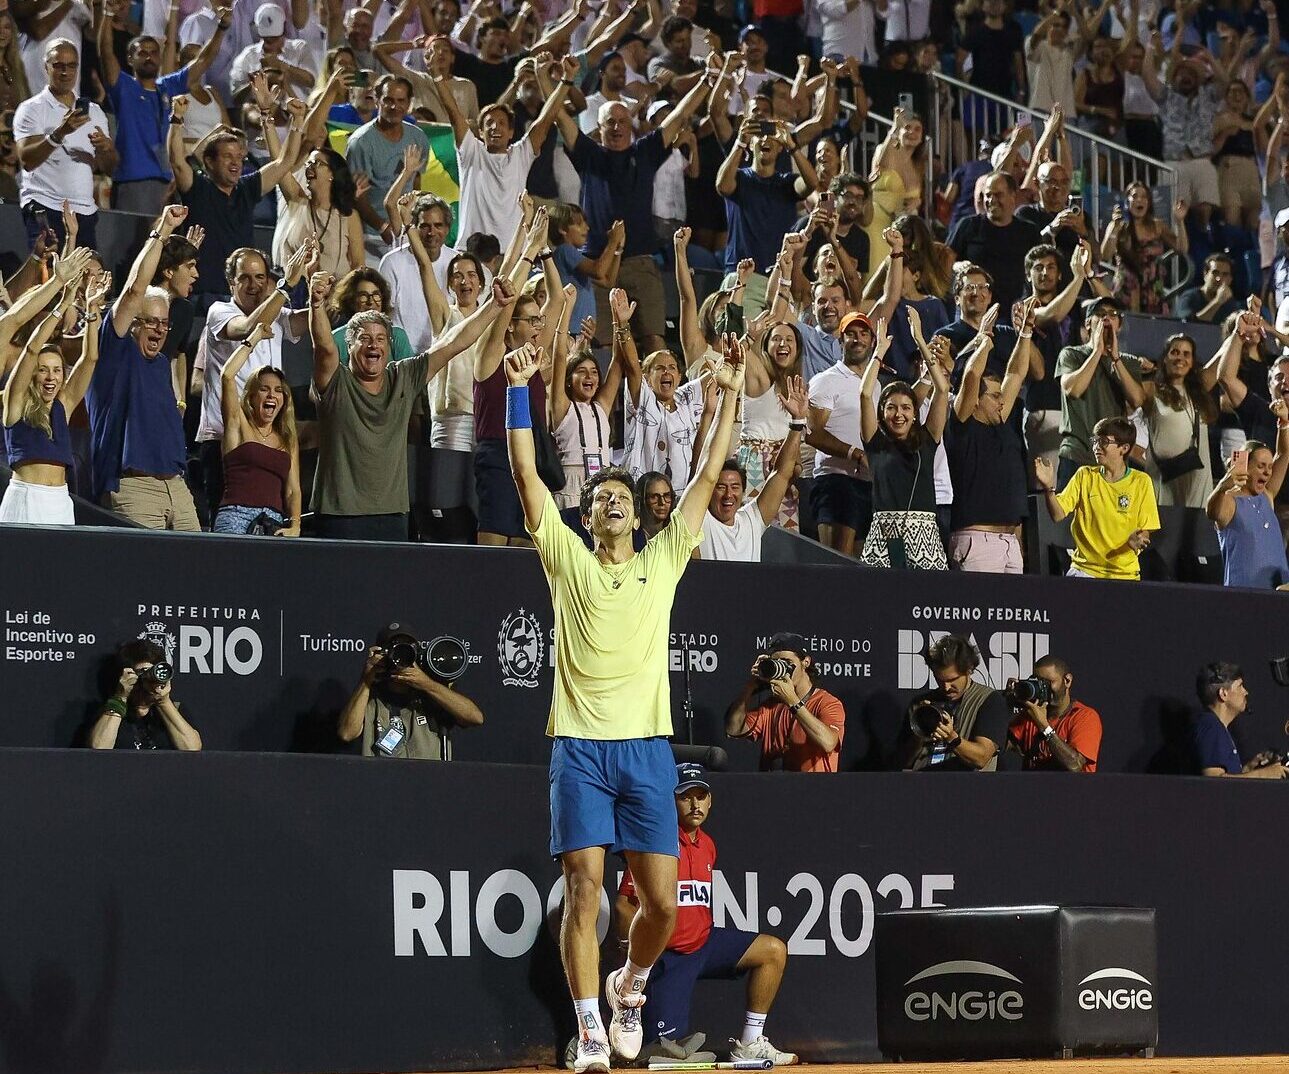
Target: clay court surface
(1263,1064)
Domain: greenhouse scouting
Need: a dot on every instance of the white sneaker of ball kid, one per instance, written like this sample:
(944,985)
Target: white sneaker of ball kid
(761,1048)
(626,1034)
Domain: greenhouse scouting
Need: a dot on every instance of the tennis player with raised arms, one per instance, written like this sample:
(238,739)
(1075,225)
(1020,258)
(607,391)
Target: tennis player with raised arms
(612,775)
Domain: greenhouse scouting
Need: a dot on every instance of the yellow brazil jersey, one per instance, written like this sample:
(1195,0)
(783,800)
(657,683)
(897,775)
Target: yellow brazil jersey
(612,624)
(1106,513)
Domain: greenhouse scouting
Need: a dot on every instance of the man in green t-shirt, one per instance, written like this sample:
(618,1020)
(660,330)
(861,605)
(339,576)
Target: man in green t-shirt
(360,488)
(1092,378)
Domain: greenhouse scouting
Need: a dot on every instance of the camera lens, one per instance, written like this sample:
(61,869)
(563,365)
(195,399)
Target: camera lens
(402,654)
(446,658)
(925,718)
(159,673)
(773,667)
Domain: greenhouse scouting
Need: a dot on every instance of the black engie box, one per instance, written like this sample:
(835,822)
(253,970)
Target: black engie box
(1014,981)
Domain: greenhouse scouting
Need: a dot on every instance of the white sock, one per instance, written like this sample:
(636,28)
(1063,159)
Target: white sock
(588,1018)
(753,1026)
(633,978)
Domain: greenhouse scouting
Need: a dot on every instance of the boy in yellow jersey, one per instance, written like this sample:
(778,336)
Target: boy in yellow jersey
(612,776)
(1113,507)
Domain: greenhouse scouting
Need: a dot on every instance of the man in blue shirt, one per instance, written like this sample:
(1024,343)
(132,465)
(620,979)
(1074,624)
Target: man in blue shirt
(376,150)
(761,201)
(141,102)
(617,184)
(1222,692)
(135,427)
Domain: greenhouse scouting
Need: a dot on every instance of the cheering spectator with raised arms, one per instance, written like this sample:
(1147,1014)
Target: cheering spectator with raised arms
(39,395)
(261,452)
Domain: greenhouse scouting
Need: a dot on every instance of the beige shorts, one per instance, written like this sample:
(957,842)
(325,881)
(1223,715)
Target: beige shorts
(160,503)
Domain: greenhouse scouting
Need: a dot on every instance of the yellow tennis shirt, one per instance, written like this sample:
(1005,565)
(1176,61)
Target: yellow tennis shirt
(612,626)
(1106,514)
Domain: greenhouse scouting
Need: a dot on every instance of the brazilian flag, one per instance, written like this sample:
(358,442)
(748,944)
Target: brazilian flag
(440,175)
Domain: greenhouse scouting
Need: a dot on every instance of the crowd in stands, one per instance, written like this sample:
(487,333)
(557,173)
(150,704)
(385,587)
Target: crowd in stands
(933,347)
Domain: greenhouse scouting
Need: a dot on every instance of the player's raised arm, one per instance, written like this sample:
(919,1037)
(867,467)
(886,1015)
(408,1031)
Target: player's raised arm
(520,365)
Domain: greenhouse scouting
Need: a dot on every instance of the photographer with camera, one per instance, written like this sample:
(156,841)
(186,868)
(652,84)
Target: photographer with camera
(1222,692)
(1051,731)
(960,725)
(404,705)
(799,724)
(141,714)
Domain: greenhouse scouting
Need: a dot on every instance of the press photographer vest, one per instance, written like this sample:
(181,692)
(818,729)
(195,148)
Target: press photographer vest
(421,739)
(964,721)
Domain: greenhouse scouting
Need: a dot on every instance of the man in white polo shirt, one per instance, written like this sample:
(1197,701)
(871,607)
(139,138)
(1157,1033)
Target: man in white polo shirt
(842,494)
(60,147)
(432,217)
(732,530)
(255,301)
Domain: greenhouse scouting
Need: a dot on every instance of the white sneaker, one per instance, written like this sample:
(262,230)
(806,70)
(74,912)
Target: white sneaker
(592,1056)
(626,1034)
(761,1048)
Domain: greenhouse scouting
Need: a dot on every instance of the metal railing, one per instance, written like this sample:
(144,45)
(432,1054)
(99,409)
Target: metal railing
(1101,169)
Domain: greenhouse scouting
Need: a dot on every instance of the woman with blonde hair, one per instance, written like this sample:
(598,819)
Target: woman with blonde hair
(38,398)
(261,450)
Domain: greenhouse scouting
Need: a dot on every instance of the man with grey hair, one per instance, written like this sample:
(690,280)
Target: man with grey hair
(360,487)
(60,147)
(432,217)
(136,429)
(617,184)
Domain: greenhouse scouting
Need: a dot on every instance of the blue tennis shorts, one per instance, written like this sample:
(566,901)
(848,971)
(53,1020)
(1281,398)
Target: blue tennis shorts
(670,991)
(619,794)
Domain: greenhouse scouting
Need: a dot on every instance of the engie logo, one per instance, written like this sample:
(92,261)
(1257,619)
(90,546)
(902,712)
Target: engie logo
(520,649)
(1009,654)
(1122,998)
(969,1005)
(208,650)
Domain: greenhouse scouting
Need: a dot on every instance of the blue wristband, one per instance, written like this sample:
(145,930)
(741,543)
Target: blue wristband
(518,416)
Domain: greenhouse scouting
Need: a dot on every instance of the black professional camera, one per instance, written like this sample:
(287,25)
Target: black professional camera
(769,668)
(1021,691)
(444,659)
(158,675)
(925,717)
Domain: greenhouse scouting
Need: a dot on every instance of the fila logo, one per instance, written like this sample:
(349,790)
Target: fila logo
(694,893)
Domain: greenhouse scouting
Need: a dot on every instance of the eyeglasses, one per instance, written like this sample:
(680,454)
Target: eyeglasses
(537,320)
(154,322)
(62,66)
(976,289)
(1103,440)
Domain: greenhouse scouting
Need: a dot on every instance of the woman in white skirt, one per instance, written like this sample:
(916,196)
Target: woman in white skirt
(39,396)
(901,457)
(580,401)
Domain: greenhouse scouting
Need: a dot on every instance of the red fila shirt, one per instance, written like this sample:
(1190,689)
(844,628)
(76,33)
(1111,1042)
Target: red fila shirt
(693,891)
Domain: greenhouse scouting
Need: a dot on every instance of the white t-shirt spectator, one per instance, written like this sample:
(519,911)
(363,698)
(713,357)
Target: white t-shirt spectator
(68,172)
(669,187)
(219,350)
(662,439)
(848,33)
(490,186)
(199,27)
(406,296)
(836,389)
(908,20)
(739,543)
(72,26)
(295,52)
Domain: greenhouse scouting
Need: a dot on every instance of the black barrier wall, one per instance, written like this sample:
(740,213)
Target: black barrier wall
(232,914)
(268,637)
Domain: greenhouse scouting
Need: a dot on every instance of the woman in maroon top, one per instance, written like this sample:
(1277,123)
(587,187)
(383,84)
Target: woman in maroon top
(261,452)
